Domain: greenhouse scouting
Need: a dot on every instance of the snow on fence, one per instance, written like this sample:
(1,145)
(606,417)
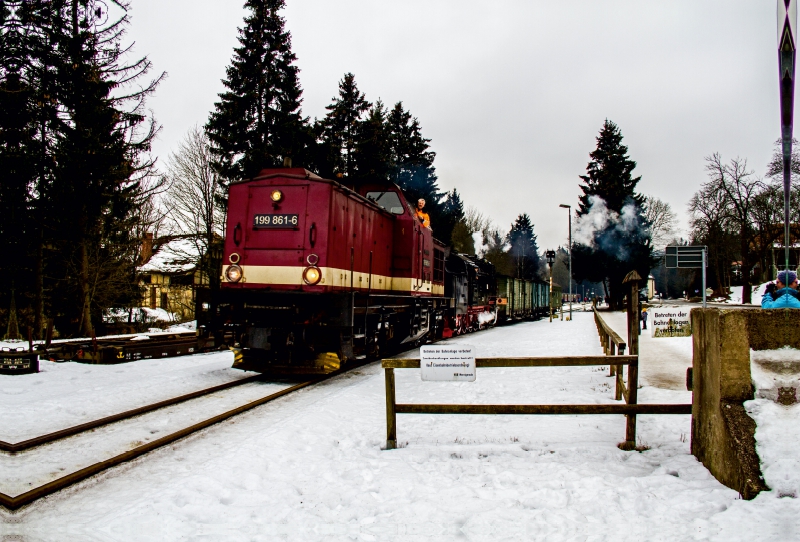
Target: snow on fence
(630,409)
(611,342)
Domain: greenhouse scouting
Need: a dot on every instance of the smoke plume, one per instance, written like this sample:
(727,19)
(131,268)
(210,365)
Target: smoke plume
(609,231)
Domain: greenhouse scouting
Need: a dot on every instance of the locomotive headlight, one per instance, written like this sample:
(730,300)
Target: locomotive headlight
(233,273)
(276,196)
(312,275)
(234,257)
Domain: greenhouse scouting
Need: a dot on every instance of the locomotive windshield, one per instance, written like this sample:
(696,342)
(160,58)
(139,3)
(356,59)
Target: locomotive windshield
(388,200)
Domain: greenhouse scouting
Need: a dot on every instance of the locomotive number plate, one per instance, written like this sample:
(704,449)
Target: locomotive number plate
(275,221)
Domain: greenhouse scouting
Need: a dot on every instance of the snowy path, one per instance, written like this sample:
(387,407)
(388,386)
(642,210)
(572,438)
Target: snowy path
(663,361)
(310,467)
(67,394)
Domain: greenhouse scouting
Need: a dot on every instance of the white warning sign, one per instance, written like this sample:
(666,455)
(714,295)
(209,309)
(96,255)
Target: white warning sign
(454,363)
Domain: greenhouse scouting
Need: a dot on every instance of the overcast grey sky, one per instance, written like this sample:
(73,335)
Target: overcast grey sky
(511,93)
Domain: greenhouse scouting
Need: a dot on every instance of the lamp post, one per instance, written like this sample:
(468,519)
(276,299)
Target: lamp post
(569,218)
(787,29)
(550,256)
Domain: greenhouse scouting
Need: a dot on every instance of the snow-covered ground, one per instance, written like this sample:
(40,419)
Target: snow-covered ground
(66,394)
(311,466)
(662,361)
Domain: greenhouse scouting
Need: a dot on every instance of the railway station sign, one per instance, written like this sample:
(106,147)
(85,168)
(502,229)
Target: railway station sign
(670,322)
(447,363)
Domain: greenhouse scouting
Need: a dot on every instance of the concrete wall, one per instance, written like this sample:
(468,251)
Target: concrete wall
(723,435)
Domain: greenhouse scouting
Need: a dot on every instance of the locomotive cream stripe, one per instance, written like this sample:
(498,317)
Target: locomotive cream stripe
(331,276)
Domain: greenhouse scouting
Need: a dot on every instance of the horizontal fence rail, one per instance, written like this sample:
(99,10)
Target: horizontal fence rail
(542,409)
(611,342)
(545,361)
(630,409)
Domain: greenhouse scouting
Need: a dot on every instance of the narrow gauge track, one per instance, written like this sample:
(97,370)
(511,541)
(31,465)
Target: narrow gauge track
(17,502)
(30,496)
(94,424)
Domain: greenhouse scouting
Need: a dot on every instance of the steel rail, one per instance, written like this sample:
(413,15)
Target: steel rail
(81,428)
(15,503)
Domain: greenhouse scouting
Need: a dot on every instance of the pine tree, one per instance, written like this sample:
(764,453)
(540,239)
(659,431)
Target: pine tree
(623,245)
(100,156)
(412,160)
(257,122)
(370,159)
(19,156)
(451,213)
(497,253)
(337,133)
(524,250)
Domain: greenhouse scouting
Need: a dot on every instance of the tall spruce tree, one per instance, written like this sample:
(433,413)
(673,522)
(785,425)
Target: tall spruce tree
(450,214)
(257,121)
(74,146)
(412,160)
(623,244)
(101,156)
(338,133)
(371,152)
(523,248)
(18,157)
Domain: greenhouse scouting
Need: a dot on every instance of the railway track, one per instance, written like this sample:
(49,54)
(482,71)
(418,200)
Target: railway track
(55,436)
(49,488)
(32,495)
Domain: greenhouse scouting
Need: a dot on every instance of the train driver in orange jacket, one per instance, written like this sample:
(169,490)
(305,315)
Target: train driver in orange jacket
(422,215)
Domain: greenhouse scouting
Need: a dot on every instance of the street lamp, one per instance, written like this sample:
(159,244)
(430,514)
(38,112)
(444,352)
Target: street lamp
(569,219)
(787,28)
(550,256)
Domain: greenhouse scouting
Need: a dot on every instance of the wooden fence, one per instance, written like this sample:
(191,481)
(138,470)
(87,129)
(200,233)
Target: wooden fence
(629,393)
(611,342)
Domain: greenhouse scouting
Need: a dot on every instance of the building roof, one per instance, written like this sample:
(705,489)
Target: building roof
(176,256)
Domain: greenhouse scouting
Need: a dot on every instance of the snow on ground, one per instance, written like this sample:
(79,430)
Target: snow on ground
(662,361)
(311,466)
(43,464)
(66,394)
(777,430)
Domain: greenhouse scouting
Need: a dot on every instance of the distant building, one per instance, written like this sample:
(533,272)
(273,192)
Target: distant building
(169,275)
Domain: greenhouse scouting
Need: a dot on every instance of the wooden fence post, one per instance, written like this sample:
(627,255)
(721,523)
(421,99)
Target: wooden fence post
(633,384)
(633,349)
(391,414)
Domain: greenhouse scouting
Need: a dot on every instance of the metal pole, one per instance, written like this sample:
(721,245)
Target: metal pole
(787,9)
(569,215)
(704,276)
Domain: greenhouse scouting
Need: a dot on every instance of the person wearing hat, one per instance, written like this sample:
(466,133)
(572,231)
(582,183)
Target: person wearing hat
(782,294)
(644,318)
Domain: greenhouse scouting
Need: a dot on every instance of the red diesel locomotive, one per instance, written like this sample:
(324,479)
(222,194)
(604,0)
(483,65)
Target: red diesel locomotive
(316,273)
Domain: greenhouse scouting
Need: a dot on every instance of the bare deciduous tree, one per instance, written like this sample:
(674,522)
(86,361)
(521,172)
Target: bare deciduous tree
(724,211)
(193,194)
(193,205)
(662,220)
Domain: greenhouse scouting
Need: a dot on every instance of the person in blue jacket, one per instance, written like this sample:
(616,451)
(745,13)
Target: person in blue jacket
(782,294)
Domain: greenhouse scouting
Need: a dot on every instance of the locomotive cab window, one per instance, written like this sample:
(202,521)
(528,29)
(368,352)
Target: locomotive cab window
(388,200)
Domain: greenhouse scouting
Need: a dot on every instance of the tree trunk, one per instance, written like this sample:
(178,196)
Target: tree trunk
(86,309)
(38,300)
(746,290)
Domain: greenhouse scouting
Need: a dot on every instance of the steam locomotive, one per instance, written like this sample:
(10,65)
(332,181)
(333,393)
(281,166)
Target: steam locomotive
(316,274)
